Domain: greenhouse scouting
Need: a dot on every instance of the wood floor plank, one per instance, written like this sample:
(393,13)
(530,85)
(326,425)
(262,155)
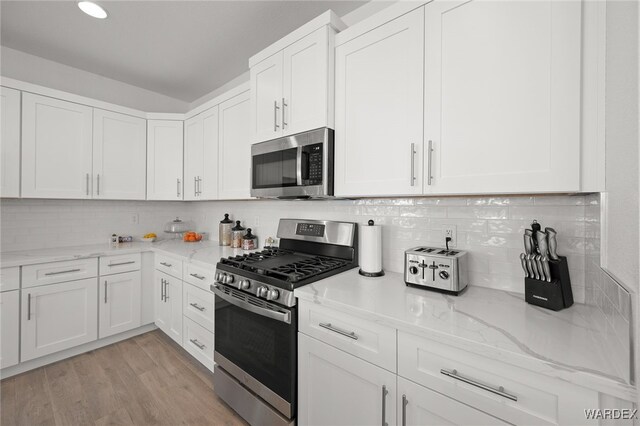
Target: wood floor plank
(66,395)
(33,406)
(119,417)
(8,401)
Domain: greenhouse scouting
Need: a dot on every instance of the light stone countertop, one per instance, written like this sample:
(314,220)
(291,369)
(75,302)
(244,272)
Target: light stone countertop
(567,345)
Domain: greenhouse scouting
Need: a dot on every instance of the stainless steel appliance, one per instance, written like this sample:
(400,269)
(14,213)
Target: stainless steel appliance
(256,315)
(436,268)
(297,166)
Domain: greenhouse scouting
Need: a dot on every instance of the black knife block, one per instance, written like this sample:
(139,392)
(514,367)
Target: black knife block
(554,295)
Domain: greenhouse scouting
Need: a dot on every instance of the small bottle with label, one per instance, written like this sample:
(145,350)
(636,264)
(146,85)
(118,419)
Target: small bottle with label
(224,231)
(113,240)
(249,241)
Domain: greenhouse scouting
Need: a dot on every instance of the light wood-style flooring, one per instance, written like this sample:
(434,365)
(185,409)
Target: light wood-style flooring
(145,380)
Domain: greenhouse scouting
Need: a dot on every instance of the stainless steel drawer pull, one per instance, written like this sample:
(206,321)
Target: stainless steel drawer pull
(168,265)
(328,326)
(198,307)
(404,410)
(498,391)
(200,277)
(384,405)
(122,263)
(198,344)
(105,291)
(63,272)
(29,307)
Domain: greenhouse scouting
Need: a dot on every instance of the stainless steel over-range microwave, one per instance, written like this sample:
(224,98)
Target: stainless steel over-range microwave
(296,166)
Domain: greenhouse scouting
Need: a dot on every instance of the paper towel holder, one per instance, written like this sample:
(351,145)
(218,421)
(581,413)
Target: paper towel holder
(371,274)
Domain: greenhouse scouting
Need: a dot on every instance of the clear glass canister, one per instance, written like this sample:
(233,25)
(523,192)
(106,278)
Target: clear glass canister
(224,231)
(237,232)
(249,241)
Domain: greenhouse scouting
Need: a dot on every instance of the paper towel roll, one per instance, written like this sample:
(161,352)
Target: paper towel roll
(370,249)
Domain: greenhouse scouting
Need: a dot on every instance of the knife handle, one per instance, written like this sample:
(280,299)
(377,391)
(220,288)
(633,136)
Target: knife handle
(541,236)
(552,243)
(523,261)
(528,244)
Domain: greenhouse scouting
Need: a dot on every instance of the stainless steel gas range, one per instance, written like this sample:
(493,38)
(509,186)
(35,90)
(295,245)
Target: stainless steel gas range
(256,316)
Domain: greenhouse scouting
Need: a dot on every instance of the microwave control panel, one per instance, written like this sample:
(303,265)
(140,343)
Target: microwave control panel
(312,159)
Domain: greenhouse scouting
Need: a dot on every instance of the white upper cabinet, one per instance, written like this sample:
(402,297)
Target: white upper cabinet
(379,109)
(56,148)
(292,81)
(234,149)
(10,142)
(164,160)
(119,156)
(502,96)
(201,156)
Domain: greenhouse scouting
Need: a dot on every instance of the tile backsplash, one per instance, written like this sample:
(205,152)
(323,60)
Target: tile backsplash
(489,227)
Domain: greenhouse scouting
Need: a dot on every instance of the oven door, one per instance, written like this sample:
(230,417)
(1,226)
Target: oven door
(256,342)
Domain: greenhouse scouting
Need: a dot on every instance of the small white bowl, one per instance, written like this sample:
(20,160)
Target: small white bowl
(149,240)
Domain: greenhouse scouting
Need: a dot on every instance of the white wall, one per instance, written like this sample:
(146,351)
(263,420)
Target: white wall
(33,69)
(621,217)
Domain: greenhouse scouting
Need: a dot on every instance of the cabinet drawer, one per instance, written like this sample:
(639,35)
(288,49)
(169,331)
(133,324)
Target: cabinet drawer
(120,263)
(198,305)
(169,265)
(504,391)
(9,278)
(198,276)
(57,272)
(198,341)
(368,340)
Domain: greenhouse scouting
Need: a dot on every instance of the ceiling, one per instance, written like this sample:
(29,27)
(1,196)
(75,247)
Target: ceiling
(182,49)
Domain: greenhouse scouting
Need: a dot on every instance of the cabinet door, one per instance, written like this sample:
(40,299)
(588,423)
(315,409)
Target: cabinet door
(266,99)
(235,149)
(56,148)
(421,406)
(502,96)
(9,328)
(306,77)
(119,303)
(10,142)
(161,307)
(379,110)
(336,388)
(119,156)
(193,156)
(164,160)
(58,316)
(173,300)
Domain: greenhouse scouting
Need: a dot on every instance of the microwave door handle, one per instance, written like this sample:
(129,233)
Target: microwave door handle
(299,166)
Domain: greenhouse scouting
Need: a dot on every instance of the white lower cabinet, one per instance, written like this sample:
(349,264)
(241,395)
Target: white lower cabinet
(9,328)
(198,341)
(420,406)
(58,316)
(335,388)
(169,305)
(119,303)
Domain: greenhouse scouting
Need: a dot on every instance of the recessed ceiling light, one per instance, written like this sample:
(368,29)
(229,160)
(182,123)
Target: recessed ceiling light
(92,9)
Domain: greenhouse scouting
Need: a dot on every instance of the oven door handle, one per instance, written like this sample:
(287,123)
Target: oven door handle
(278,316)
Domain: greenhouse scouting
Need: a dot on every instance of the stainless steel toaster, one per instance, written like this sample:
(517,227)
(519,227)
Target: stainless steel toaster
(436,268)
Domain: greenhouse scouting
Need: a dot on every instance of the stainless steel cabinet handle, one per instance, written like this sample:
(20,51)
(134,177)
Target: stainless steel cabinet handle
(404,410)
(198,307)
(200,277)
(166,287)
(87,183)
(195,186)
(328,326)
(498,391)
(178,187)
(168,265)
(384,405)
(105,291)
(199,185)
(29,307)
(198,344)
(275,116)
(284,105)
(162,289)
(413,164)
(98,185)
(62,272)
(122,263)
(430,156)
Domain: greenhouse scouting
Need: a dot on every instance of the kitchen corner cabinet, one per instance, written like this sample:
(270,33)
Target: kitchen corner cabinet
(164,159)
(291,90)
(10,142)
(120,303)
(119,156)
(234,151)
(9,328)
(378,109)
(200,153)
(58,316)
(502,96)
(169,305)
(336,388)
(56,148)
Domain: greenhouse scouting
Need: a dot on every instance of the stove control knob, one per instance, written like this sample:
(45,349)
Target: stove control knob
(263,291)
(244,285)
(227,279)
(444,275)
(219,276)
(273,294)
(413,270)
